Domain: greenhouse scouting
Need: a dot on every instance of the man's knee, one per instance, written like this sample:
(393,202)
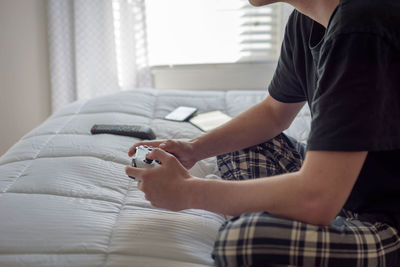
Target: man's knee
(253,239)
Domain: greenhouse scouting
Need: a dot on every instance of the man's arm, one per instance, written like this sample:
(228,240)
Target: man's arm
(256,125)
(315,194)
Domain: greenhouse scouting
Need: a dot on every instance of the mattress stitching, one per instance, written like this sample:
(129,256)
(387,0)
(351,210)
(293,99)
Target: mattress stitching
(101,253)
(60,195)
(225,103)
(68,156)
(39,151)
(151,120)
(99,112)
(116,222)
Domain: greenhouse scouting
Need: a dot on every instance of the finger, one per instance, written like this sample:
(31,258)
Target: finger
(135,173)
(168,145)
(140,185)
(160,155)
(132,150)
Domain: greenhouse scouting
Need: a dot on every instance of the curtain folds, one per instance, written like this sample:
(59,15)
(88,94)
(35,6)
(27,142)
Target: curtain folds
(96,48)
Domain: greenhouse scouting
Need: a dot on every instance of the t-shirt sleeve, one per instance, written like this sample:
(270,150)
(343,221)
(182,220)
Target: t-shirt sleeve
(285,86)
(356,106)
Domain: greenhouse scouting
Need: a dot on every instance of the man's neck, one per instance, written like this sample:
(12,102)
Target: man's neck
(318,10)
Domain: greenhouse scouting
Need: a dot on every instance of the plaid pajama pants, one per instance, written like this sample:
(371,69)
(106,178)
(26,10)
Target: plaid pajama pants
(261,239)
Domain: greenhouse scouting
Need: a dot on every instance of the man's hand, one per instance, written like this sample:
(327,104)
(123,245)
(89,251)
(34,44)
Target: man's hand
(182,150)
(165,186)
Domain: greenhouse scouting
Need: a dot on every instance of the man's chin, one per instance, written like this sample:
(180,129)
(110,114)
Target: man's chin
(261,2)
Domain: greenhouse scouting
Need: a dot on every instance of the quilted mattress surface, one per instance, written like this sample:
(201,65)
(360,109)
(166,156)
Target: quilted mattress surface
(66,201)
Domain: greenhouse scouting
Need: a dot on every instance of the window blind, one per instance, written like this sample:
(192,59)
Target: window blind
(212,31)
(260,32)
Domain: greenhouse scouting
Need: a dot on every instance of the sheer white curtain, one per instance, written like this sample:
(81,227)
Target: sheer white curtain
(97,47)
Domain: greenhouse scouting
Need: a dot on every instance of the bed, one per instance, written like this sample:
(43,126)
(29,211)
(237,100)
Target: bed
(66,201)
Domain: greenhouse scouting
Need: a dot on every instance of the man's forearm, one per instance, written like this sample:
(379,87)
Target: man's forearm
(256,125)
(279,195)
(283,195)
(315,194)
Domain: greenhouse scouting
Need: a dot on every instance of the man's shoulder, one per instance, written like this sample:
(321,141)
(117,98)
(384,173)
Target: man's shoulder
(298,27)
(299,20)
(378,17)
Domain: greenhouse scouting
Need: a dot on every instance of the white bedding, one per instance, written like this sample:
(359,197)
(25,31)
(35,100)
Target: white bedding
(66,201)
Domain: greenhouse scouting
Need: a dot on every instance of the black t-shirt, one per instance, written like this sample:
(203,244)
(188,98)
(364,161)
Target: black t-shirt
(349,74)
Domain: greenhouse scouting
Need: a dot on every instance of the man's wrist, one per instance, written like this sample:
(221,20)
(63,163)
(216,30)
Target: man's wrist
(195,192)
(199,148)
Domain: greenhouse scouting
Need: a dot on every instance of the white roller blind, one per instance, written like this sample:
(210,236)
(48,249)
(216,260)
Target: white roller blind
(212,31)
(260,32)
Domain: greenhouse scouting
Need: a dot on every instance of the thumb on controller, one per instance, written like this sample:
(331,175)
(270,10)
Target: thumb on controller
(161,156)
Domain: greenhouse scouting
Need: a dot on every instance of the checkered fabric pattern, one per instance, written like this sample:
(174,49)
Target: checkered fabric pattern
(261,239)
(279,155)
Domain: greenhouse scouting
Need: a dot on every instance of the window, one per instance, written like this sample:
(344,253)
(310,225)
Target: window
(182,32)
(199,44)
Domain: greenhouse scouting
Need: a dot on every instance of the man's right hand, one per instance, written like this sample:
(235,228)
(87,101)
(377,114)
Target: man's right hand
(182,150)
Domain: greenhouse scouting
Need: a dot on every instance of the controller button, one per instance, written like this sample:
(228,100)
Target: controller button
(148,161)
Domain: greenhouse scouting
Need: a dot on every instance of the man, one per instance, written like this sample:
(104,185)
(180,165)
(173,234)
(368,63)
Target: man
(341,206)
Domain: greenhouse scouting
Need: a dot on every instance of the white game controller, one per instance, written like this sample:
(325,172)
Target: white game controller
(139,160)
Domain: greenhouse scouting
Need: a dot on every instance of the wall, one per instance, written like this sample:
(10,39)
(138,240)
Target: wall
(24,72)
(242,76)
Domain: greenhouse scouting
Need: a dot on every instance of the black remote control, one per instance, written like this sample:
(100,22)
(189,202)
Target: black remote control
(139,131)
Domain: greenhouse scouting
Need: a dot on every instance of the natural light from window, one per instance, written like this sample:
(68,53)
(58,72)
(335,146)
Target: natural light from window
(210,31)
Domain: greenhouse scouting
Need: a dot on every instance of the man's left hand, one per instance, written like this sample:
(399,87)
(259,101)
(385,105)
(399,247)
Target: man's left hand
(164,186)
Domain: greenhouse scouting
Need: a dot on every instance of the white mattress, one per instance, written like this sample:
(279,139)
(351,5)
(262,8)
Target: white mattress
(66,201)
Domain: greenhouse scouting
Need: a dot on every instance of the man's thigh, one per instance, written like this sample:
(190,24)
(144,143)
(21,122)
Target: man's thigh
(260,239)
(279,155)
